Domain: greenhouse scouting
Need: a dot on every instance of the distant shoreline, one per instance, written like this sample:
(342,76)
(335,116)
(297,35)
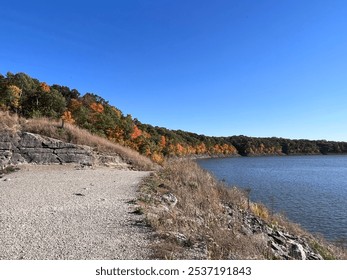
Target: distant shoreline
(197,157)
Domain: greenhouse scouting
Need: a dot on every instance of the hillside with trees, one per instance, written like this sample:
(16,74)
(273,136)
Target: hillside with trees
(30,98)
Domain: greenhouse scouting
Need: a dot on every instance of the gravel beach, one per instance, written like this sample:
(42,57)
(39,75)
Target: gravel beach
(63,212)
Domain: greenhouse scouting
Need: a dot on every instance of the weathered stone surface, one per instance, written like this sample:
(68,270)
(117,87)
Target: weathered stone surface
(73,150)
(79,158)
(5,146)
(170,199)
(17,158)
(278,239)
(277,248)
(111,158)
(29,140)
(313,256)
(296,251)
(40,157)
(181,238)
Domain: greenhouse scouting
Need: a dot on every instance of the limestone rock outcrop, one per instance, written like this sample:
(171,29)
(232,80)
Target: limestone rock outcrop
(25,147)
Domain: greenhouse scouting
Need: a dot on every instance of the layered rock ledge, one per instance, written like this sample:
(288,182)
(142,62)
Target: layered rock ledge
(25,147)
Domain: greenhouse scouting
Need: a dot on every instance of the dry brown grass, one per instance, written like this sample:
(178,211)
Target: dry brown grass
(202,217)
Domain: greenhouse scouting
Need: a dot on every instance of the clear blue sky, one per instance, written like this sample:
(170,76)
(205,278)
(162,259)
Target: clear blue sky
(224,67)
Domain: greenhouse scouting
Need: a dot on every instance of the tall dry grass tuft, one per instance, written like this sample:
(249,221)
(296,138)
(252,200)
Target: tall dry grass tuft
(73,134)
(9,122)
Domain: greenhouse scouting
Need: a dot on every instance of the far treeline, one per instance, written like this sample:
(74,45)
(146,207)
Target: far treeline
(30,98)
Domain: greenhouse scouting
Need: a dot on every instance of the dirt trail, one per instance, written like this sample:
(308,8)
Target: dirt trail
(62,212)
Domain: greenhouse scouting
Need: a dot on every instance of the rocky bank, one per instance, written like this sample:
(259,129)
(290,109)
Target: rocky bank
(198,217)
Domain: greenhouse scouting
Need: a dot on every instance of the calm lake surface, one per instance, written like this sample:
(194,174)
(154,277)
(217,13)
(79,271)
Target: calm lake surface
(309,190)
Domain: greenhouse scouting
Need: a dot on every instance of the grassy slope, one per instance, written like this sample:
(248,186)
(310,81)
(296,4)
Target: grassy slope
(202,216)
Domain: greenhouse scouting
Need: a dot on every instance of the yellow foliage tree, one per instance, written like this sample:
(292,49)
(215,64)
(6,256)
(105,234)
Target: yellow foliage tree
(14,94)
(157,157)
(67,117)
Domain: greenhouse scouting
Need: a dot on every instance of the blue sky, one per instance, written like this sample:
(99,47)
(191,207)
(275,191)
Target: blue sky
(227,67)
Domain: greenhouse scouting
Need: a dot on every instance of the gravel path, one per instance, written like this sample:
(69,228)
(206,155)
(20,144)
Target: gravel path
(60,212)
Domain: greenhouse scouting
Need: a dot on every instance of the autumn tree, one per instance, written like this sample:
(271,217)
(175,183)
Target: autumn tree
(162,141)
(201,148)
(44,87)
(10,97)
(97,107)
(67,117)
(157,157)
(116,134)
(136,132)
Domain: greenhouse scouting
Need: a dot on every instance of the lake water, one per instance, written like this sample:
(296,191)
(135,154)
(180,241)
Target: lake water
(309,190)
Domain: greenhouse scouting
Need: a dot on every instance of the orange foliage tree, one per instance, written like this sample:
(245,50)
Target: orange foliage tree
(97,107)
(201,148)
(116,134)
(44,87)
(136,132)
(162,141)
